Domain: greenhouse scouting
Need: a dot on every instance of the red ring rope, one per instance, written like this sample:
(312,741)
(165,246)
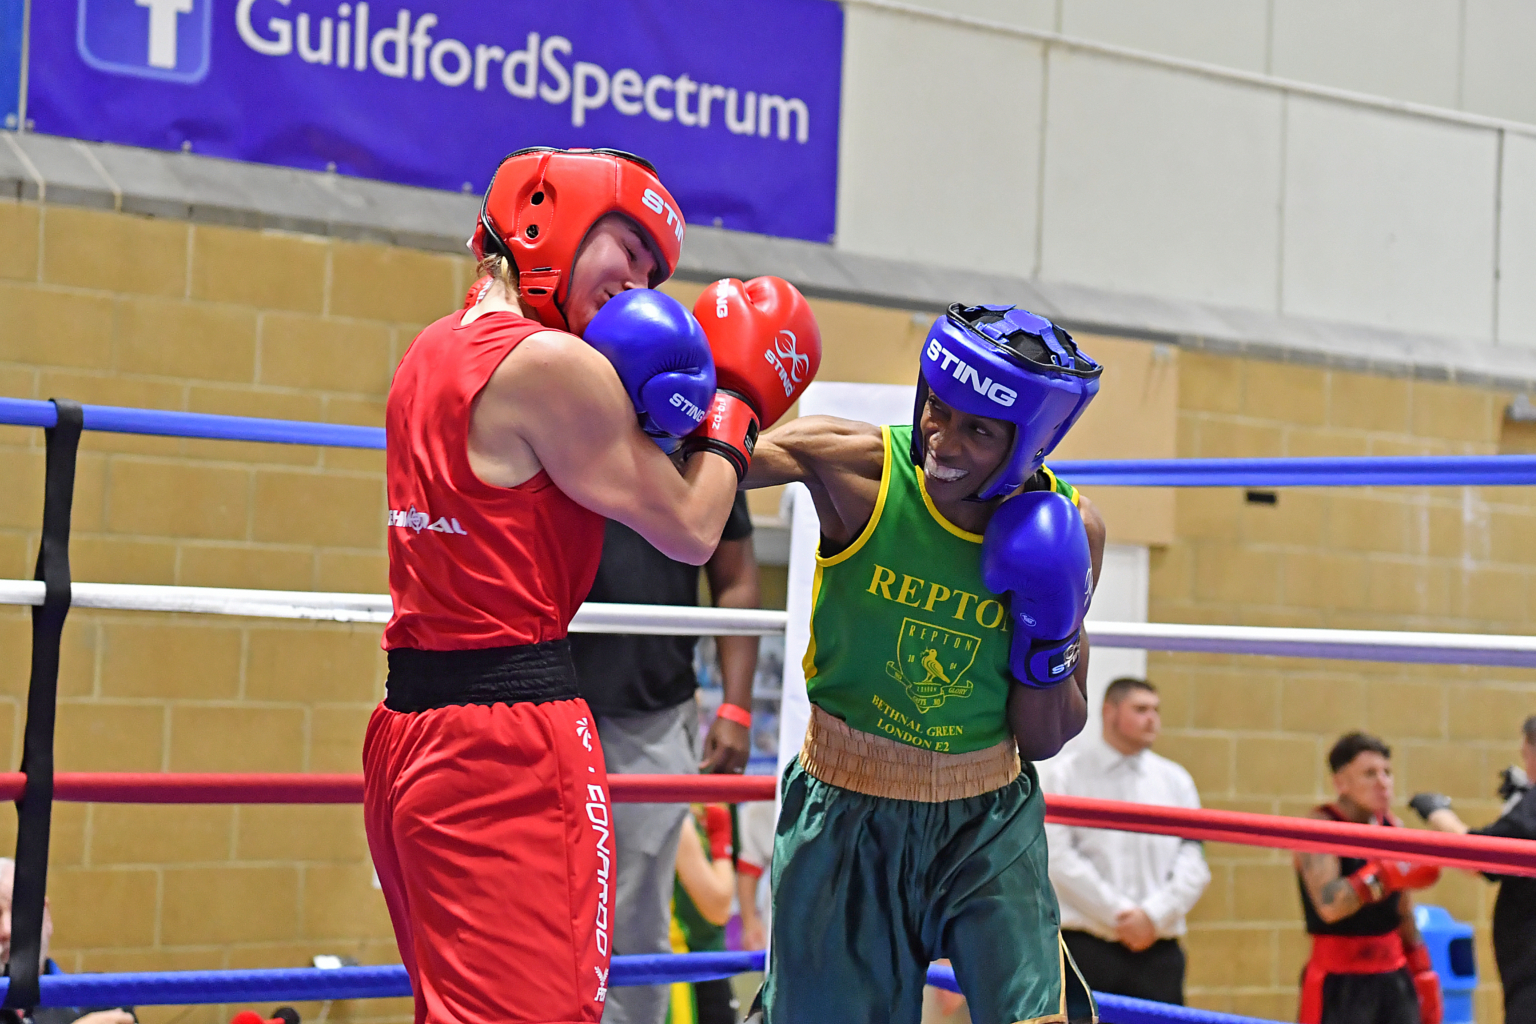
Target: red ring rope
(1475,853)
(281,788)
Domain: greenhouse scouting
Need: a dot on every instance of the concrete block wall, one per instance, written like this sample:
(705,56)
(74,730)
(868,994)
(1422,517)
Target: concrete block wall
(1249,192)
(1255,732)
(1459,54)
(125,310)
(121,309)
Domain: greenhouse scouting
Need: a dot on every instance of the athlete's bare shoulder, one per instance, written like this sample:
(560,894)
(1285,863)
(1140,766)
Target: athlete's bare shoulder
(551,382)
(550,368)
(550,349)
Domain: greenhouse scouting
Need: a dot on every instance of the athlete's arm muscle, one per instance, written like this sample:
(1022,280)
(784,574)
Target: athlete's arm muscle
(838,460)
(556,403)
(709,883)
(1043,720)
(1331,893)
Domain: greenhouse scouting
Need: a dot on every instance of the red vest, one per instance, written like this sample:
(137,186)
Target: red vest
(472,565)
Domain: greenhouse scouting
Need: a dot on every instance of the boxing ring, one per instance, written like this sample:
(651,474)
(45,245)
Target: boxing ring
(53,593)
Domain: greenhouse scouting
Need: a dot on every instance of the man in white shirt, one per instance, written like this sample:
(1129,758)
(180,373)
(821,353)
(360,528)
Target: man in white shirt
(1124,895)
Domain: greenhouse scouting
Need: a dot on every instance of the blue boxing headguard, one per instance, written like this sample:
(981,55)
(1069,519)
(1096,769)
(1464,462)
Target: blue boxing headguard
(1004,363)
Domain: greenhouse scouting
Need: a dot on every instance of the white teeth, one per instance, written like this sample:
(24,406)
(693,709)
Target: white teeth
(938,472)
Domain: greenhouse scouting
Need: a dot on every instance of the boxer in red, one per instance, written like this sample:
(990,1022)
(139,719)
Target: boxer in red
(514,428)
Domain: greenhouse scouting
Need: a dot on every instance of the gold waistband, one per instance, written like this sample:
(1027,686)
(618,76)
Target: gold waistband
(876,766)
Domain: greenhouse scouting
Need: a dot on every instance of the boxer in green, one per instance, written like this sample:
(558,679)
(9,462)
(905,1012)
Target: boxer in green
(951,581)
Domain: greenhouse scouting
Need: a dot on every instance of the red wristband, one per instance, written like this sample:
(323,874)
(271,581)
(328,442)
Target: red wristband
(717,823)
(735,713)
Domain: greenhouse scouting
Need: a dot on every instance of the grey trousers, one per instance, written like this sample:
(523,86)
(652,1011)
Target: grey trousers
(645,840)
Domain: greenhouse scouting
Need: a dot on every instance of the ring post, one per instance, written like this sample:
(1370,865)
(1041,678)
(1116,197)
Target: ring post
(34,809)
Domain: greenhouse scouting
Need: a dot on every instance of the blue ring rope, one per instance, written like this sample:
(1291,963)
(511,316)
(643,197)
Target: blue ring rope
(302,984)
(1343,471)
(1354,471)
(114,419)
(298,984)
(1121,1009)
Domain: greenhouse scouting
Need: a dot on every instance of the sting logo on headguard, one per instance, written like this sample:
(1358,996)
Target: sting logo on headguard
(543,202)
(1004,363)
(656,204)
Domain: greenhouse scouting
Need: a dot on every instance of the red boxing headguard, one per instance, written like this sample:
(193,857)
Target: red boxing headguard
(543,202)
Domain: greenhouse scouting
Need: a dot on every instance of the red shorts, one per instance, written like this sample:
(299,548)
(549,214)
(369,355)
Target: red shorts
(490,829)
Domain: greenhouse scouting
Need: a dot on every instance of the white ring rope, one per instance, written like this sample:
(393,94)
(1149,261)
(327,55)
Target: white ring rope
(667,620)
(1342,644)
(663,620)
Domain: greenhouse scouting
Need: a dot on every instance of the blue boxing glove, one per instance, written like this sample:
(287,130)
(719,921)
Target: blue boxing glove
(662,358)
(1036,550)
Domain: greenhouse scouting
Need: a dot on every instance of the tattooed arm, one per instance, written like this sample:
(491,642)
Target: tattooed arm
(1332,895)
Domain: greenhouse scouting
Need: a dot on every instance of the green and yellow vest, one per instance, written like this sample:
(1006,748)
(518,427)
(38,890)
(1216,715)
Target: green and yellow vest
(906,642)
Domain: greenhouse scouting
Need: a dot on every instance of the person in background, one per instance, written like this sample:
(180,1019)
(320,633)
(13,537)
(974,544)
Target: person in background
(1369,964)
(701,905)
(1514,912)
(754,858)
(642,690)
(1124,895)
(47,1014)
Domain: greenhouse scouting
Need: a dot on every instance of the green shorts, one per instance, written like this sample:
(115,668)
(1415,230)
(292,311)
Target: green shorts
(867,891)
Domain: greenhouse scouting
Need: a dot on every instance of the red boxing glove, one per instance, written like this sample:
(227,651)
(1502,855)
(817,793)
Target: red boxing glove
(717,824)
(1410,876)
(1426,983)
(767,349)
(1378,879)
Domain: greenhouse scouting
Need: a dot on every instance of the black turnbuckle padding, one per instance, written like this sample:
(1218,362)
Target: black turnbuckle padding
(35,808)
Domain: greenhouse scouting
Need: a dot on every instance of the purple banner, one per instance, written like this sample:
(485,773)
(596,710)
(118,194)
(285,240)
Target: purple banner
(735,102)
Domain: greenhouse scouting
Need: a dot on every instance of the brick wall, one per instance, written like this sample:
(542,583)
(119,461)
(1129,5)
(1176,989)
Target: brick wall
(124,310)
(1255,731)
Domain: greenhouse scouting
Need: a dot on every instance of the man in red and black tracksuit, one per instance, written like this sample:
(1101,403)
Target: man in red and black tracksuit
(1368,963)
(514,429)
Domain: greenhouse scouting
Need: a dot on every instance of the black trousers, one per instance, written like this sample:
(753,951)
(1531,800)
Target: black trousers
(716,1002)
(1520,1003)
(1156,973)
(1385,998)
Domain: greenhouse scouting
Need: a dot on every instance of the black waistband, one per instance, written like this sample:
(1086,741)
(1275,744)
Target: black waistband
(527,673)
